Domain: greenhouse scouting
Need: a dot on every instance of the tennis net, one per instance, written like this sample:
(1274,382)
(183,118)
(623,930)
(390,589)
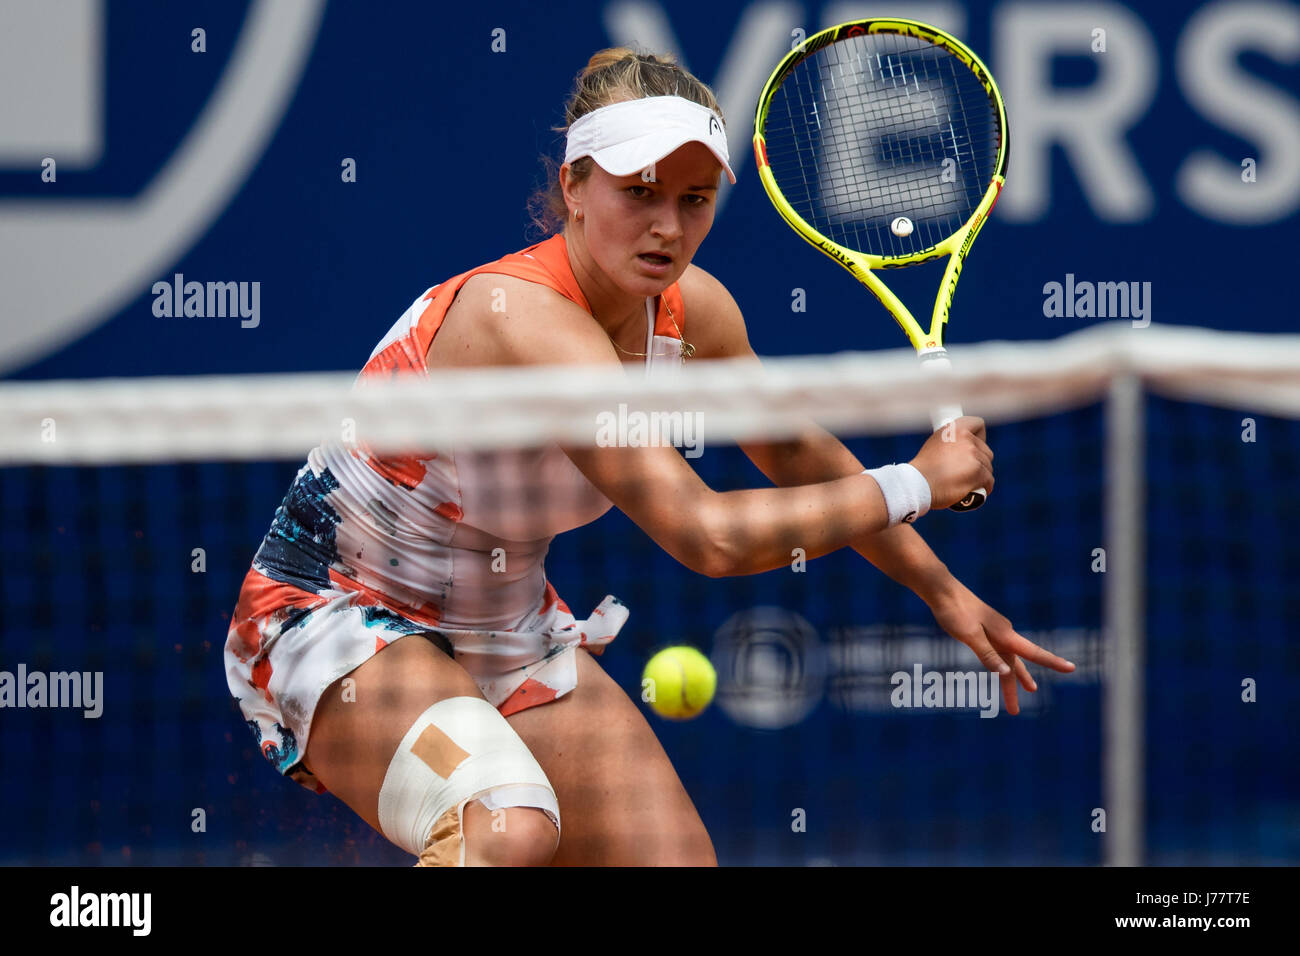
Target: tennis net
(1141,527)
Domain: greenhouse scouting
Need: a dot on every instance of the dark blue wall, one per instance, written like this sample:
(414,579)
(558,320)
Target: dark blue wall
(447,136)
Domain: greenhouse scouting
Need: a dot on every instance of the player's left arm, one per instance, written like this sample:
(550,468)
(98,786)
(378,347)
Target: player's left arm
(716,327)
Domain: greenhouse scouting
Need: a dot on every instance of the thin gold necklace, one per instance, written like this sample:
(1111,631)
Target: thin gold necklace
(687,348)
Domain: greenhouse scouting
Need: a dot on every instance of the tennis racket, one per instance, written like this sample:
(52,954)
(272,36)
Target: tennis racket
(884,144)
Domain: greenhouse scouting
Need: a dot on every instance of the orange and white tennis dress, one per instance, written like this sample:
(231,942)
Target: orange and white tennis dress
(367,549)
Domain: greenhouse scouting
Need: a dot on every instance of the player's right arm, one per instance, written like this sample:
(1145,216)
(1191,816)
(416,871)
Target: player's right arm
(719,534)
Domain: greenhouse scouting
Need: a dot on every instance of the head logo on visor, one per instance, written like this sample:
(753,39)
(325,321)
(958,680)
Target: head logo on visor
(625,138)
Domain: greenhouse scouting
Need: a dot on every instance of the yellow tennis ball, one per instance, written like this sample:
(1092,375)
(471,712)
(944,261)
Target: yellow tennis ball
(678,683)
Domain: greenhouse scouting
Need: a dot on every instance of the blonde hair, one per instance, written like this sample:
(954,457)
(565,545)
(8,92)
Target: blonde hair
(611,76)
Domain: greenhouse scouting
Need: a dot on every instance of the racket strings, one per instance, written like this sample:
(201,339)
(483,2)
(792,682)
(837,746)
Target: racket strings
(873,127)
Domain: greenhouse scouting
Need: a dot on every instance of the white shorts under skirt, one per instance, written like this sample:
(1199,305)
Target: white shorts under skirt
(279,662)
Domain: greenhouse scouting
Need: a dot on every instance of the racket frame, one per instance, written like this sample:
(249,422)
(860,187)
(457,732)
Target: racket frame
(929,345)
(861,264)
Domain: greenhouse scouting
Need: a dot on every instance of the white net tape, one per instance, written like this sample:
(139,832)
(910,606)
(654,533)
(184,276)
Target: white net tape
(281,416)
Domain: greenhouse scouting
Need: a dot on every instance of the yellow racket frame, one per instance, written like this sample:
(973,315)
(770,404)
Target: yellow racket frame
(861,264)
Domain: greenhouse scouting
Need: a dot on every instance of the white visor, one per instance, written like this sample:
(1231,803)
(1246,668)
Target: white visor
(625,138)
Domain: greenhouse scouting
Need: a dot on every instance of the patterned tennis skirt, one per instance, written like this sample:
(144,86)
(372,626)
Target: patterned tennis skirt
(286,646)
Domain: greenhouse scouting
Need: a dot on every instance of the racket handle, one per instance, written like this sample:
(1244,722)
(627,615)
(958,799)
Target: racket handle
(937,362)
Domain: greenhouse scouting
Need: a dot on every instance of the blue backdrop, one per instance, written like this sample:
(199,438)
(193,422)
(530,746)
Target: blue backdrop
(1144,141)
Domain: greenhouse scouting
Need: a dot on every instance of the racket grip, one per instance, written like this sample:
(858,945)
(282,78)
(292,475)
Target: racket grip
(937,362)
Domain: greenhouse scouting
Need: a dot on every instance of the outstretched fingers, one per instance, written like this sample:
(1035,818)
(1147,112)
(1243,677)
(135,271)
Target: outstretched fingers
(1010,668)
(1012,643)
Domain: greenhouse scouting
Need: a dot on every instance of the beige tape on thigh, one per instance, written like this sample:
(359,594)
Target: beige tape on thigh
(458,749)
(446,842)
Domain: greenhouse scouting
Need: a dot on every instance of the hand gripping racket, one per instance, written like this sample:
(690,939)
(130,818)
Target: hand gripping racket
(884,144)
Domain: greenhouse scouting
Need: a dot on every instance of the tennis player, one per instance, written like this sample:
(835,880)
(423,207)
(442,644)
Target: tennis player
(494,737)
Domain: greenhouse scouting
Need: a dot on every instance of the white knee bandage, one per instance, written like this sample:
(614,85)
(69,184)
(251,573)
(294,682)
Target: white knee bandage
(458,749)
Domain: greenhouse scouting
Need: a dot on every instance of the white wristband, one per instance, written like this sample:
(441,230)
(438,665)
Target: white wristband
(907,493)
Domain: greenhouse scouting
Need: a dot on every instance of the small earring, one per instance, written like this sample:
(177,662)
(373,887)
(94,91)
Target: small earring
(577,215)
